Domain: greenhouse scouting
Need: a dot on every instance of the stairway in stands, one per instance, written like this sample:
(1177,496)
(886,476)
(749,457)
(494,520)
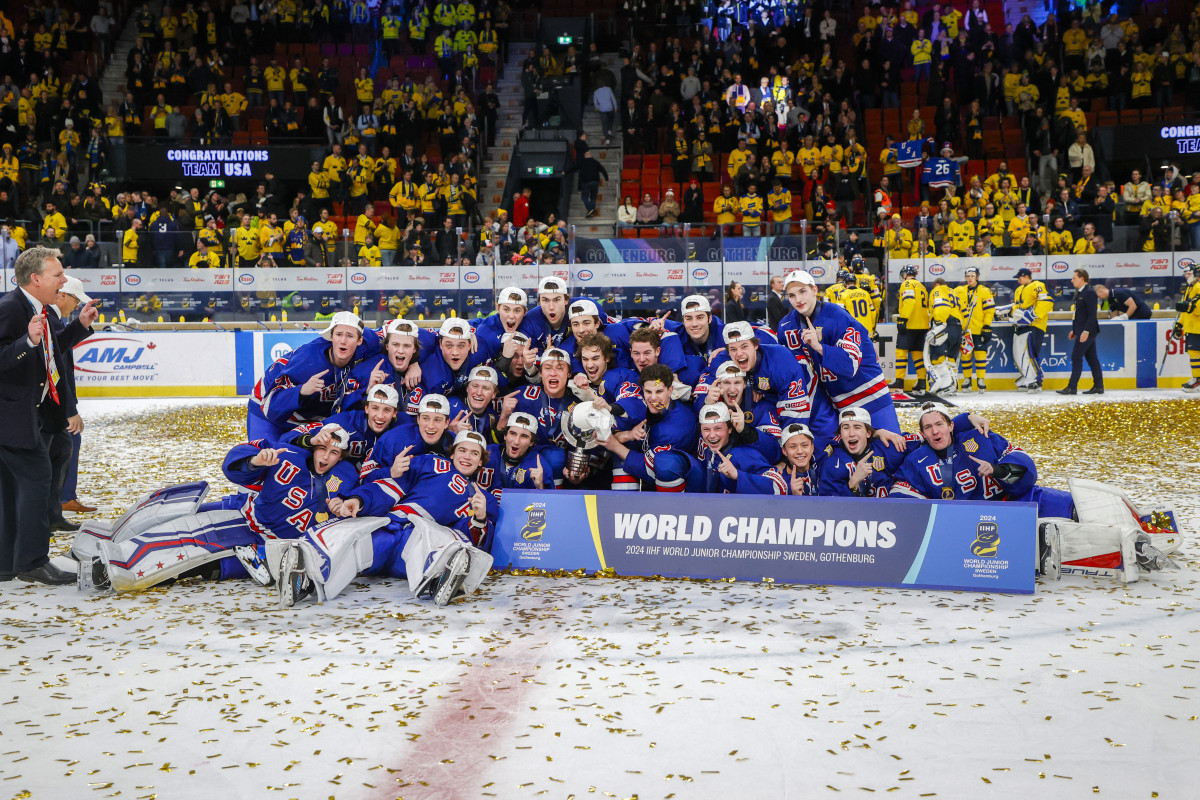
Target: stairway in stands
(494,173)
(609,157)
(112,81)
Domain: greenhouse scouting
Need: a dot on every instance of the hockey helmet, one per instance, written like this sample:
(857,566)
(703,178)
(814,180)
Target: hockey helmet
(845,276)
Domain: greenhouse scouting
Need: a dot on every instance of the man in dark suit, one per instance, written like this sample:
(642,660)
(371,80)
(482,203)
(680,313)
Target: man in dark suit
(777,305)
(1085,327)
(33,405)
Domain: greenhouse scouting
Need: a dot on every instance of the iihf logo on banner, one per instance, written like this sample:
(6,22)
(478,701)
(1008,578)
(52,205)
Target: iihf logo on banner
(535,522)
(987,540)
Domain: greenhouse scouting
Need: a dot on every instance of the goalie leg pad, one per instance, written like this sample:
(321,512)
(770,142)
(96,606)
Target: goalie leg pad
(428,551)
(1102,503)
(159,506)
(171,548)
(336,552)
(1023,361)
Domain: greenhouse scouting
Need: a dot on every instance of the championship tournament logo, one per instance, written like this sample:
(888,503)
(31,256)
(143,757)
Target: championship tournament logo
(987,540)
(535,522)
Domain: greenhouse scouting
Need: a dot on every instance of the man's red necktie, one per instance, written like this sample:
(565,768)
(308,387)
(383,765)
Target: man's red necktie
(47,348)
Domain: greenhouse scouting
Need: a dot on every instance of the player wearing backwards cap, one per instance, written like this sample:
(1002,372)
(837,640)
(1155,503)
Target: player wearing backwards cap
(404,344)
(476,410)
(729,467)
(432,519)
(364,425)
(912,325)
(311,382)
(664,431)
(799,466)
(288,488)
(1187,326)
(547,325)
(1031,309)
(760,417)
(430,434)
(980,305)
(833,345)
(546,403)
(857,463)
(511,305)
(702,336)
(447,370)
(516,462)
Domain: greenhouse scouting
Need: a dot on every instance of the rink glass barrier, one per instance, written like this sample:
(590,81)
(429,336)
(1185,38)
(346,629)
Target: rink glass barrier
(918,544)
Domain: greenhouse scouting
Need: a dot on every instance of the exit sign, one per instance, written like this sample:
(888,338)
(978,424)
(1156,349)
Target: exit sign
(217,184)
(564,39)
(545,170)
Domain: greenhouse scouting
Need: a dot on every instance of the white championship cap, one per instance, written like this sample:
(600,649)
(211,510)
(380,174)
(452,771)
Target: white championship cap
(400,327)
(552,284)
(795,429)
(74,287)
(854,415)
(526,422)
(383,393)
(556,354)
(470,437)
(728,370)
(798,276)
(737,332)
(583,308)
(695,302)
(484,373)
(512,295)
(455,328)
(717,412)
(934,408)
(434,404)
(341,436)
(516,336)
(342,318)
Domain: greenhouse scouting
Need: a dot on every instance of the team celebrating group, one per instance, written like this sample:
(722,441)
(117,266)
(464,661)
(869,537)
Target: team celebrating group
(386,452)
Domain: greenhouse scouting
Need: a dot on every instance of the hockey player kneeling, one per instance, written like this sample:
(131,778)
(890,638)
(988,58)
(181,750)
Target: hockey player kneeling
(171,533)
(428,522)
(1092,528)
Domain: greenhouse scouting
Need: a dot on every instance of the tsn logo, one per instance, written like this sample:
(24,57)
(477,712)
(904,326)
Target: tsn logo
(674,274)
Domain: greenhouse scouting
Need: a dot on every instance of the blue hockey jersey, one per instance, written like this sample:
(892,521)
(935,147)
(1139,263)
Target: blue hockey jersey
(379,460)
(289,497)
(354,422)
(500,473)
(277,397)
(548,411)
(755,475)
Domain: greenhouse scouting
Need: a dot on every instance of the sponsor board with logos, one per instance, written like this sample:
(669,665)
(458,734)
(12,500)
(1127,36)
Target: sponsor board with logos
(1108,266)
(818,540)
(156,363)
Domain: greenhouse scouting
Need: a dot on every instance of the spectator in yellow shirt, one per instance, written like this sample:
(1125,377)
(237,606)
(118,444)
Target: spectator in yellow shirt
(369,253)
(203,258)
(726,207)
(130,243)
(388,240)
(234,104)
(274,76)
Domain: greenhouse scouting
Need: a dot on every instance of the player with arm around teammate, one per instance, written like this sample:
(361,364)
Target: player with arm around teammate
(756,425)
(431,523)
(731,468)
(430,434)
(364,426)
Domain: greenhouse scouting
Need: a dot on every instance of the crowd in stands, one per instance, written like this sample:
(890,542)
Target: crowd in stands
(812,113)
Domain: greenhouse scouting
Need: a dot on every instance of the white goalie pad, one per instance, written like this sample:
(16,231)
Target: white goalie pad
(1101,503)
(942,378)
(1024,361)
(151,509)
(168,549)
(335,552)
(429,549)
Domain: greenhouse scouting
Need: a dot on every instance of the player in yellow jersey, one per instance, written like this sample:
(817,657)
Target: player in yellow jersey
(979,309)
(1031,309)
(864,280)
(855,300)
(944,338)
(1187,327)
(912,325)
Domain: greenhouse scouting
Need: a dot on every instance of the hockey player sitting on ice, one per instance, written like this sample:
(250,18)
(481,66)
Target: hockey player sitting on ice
(772,373)
(516,463)
(429,435)
(448,368)
(731,468)
(432,525)
(511,305)
(404,344)
(364,426)
(799,466)
(311,382)
(863,461)
(476,409)
(729,387)
(663,431)
(1092,527)
(702,336)
(1031,309)
(171,533)
(600,377)
(834,346)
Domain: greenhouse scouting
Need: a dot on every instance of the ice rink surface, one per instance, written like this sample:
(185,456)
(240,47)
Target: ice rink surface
(575,686)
